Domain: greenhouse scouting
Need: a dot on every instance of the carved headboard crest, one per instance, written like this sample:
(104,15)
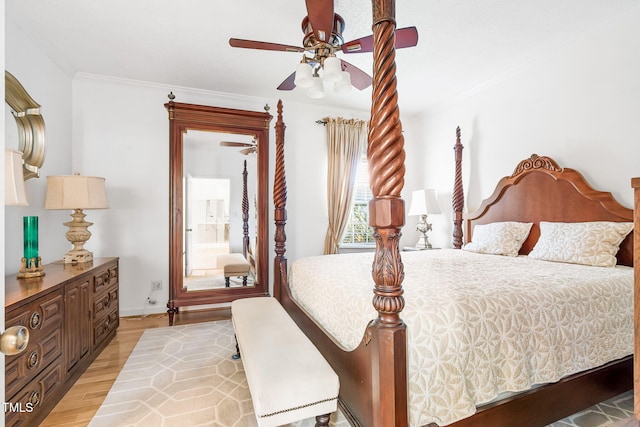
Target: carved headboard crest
(536,162)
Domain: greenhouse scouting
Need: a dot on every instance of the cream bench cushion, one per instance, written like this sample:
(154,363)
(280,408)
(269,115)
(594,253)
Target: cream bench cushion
(288,378)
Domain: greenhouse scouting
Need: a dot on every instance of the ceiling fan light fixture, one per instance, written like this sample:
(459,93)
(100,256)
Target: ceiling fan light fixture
(316,91)
(303,75)
(344,85)
(332,70)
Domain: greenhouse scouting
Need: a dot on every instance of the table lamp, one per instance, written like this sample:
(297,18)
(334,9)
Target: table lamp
(76,192)
(423,203)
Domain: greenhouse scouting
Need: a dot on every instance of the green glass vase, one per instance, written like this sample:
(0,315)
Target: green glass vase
(30,234)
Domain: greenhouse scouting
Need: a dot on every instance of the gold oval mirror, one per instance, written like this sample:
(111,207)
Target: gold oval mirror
(26,112)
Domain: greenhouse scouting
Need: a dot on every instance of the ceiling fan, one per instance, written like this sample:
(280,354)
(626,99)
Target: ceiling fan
(323,38)
(249,147)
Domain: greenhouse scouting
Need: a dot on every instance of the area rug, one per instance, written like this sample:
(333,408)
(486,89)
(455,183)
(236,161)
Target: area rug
(184,376)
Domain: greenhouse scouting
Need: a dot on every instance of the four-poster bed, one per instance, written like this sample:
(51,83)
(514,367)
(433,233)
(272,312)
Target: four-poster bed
(374,386)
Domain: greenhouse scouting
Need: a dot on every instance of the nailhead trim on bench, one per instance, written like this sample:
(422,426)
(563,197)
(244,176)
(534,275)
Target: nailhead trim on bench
(298,407)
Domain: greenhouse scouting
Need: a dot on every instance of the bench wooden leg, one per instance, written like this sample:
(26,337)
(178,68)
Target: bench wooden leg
(237,355)
(226,282)
(323,420)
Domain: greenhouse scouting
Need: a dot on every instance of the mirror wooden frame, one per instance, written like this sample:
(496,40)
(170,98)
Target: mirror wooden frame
(184,117)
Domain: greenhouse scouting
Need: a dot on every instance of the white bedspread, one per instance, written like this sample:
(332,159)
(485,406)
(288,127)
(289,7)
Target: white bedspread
(478,325)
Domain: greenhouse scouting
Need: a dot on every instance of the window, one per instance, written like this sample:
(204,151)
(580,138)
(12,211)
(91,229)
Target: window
(358,232)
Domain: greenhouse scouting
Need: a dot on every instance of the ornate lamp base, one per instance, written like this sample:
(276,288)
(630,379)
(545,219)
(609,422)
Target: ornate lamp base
(77,257)
(78,234)
(423,228)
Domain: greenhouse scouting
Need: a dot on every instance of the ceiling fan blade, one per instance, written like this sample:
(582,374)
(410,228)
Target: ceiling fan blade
(405,37)
(359,79)
(288,84)
(235,144)
(320,14)
(248,151)
(252,44)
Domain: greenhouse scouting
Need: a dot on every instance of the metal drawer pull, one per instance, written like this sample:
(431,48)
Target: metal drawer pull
(32,360)
(34,398)
(34,320)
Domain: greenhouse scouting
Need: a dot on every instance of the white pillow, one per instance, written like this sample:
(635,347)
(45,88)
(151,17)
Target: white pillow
(590,243)
(498,238)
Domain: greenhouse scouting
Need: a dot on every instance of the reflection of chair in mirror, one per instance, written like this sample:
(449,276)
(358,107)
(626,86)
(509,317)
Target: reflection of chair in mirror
(234,265)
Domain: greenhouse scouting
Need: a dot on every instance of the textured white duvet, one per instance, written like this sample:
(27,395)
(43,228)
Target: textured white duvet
(478,325)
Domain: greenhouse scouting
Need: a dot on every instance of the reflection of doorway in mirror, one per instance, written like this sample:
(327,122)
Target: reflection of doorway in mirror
(207,225)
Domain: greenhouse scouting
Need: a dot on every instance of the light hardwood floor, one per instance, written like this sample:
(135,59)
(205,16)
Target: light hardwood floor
(85,397)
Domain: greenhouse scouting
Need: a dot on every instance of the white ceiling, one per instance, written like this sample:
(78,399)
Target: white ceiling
(184,43)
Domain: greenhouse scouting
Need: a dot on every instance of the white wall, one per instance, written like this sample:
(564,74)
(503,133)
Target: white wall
(578,104)
(49,86)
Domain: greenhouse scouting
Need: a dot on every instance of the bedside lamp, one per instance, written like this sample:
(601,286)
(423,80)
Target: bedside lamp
(423,203)
(76,192)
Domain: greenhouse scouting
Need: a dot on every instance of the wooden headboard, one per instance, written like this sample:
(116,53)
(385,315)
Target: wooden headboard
(540,190)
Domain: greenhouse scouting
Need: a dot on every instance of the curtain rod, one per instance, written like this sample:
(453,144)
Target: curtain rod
(321,122)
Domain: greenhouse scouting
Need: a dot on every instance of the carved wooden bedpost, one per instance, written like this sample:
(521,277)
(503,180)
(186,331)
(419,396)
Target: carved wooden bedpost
(245,212)
(458,194)
(280,210)
(386,215)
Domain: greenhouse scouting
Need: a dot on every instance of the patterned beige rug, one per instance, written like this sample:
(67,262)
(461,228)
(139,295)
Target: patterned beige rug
(184,376)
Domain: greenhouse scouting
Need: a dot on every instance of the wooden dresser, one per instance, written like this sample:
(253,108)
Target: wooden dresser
(71,313)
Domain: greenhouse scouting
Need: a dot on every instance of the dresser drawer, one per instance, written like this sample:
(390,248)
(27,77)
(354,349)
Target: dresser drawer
(102,328)
(105,303)
(39,316)
(105,279)
(23,367)
(32,403)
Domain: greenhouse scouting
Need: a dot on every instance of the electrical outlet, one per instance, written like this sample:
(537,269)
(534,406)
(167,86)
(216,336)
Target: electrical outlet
(156,285)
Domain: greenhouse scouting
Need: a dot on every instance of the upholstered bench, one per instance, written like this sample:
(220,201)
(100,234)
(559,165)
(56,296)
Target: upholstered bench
(288,378)
(233,265)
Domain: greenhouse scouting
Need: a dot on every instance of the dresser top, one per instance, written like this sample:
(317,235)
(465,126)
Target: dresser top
(56,273)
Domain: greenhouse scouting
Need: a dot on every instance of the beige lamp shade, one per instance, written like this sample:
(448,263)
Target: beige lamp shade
(424,202)
(76,192)
(14,193)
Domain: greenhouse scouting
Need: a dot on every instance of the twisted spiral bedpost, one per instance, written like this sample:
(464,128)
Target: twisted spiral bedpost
(458,194)
(279,203)
(386,156)
(385,153)
(245,212)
